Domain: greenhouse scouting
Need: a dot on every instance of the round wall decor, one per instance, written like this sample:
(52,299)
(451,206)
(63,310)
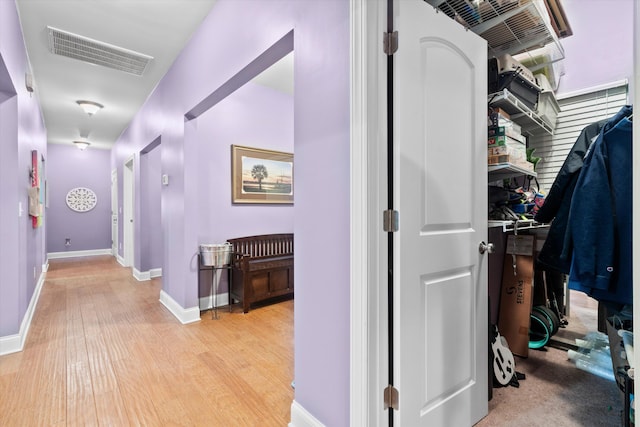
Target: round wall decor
(81,199)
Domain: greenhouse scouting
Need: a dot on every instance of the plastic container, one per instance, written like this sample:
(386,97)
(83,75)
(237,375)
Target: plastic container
(215,255)
(548,108)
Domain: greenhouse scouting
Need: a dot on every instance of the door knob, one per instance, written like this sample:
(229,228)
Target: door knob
(486,247)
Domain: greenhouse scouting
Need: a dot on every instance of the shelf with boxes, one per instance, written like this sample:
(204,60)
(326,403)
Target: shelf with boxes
(531,123)
(506,147)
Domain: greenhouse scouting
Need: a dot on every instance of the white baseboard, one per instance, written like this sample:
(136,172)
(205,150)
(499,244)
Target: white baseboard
(74,254)
(301,418)
(141,276)
(184,315)
(120,260)
(206,303)
(14,343)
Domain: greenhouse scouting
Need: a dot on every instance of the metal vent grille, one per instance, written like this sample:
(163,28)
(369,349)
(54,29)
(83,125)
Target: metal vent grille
(96,52)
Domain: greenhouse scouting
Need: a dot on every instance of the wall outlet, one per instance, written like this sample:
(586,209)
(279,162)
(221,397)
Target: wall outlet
(34,272)
(67,241)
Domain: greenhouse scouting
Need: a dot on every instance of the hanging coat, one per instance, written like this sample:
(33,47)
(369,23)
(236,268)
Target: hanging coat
(558,201)
(600,218)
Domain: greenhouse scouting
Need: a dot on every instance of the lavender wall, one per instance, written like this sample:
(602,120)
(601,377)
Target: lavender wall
(151,207)
(601,48)
(254,116)
(68,168)
(9,221)
(321,210)
(22,252)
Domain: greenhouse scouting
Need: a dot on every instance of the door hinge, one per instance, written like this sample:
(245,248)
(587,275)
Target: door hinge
(390,221)
(391,397)
(390,43)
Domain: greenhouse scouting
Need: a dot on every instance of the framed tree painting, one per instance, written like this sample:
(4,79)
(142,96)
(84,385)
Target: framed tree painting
(261,176)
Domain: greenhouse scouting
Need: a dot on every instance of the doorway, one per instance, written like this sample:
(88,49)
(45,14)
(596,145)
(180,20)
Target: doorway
(114,212)
(128,212)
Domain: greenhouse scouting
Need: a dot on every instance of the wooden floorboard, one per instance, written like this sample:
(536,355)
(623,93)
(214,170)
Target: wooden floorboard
(103,351)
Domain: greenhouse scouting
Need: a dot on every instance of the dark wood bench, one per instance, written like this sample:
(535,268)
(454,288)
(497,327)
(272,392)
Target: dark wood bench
(262,269)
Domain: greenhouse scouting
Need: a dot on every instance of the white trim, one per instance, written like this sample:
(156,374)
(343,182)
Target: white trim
(591,89)
(206,303)
(120,260)
(300,417)
(359,223)
(184,315)
(74,254)
(141,276)
(45,266)
(14,343)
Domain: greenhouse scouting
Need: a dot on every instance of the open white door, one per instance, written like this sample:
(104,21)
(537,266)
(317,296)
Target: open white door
(440,187)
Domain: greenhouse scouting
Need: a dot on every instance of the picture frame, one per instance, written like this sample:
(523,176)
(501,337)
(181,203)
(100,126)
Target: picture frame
(261,176)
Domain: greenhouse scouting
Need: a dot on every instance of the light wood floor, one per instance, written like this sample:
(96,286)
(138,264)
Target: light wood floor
(102,350)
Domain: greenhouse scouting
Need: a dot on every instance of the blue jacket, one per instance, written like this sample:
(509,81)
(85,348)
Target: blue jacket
(600,217)
(558,201)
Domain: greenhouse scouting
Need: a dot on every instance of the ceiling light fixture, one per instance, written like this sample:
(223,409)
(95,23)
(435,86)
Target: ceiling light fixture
(90,107)
(82,144)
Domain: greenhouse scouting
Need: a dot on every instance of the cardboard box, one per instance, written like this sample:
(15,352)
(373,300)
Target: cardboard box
(498,141)
(498,117)
(510,131)
(514,153)
(516,294)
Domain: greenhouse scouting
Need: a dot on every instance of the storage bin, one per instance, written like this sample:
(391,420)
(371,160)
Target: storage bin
(215,255)
(548,108)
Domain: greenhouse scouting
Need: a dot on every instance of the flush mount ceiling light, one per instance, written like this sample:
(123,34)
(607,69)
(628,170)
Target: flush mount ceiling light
(90,107)
(82,144)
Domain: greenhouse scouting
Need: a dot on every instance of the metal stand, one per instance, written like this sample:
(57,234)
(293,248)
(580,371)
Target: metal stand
(214,284)
(214,298)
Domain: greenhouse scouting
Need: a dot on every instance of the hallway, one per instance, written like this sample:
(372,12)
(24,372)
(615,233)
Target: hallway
(102,350)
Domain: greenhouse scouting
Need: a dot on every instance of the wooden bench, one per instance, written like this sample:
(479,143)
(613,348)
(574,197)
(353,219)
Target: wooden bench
(262,269)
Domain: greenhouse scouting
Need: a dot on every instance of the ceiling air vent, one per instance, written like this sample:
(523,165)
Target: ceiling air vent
(96,52)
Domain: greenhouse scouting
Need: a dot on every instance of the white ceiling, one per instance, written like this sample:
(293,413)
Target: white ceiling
(159,28)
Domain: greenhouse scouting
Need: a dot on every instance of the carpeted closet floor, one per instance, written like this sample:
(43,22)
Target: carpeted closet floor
(555,393)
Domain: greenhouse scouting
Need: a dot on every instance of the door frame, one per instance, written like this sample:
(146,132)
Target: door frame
(128,207)
(367,125)
(114,212)
(368,249)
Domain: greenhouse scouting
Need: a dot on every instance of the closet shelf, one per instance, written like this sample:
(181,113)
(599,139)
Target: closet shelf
(509,26)
(530,122)
(507,170)
(521,224)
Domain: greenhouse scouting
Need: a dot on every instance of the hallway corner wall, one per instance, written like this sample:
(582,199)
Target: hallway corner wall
(22,246)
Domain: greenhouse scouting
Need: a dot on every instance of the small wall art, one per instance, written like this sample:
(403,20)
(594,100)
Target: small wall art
(261,176)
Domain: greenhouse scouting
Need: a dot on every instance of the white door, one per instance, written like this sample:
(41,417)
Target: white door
(127,205)
(440,186)
(114,212)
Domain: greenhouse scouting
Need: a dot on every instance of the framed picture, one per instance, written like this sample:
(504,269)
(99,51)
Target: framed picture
(261,176)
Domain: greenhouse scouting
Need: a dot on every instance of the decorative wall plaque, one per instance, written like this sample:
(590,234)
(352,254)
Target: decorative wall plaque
(81,199)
